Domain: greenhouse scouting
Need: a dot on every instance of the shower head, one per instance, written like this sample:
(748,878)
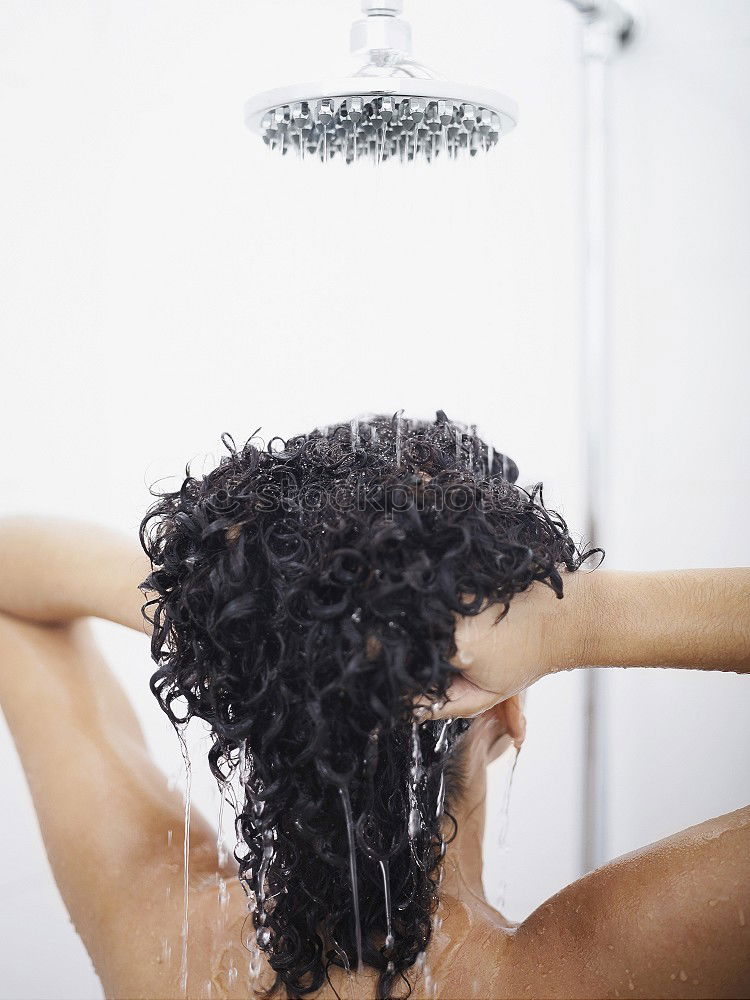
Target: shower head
(392,108)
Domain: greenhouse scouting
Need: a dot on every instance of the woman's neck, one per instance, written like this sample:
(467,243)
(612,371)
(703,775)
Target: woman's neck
(462,878)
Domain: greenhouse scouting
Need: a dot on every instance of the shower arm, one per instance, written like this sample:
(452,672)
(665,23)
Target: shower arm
(383,30)
(609,26)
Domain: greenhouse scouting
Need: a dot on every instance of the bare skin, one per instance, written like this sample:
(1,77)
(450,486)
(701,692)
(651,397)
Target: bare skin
(672,920)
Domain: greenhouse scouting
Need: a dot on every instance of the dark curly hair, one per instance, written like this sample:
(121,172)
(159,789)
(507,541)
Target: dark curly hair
(306,594)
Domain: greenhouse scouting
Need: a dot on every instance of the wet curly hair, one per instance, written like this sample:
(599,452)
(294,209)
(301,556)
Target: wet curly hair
(306,594)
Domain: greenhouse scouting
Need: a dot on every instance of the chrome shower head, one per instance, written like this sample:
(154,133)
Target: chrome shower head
(393,107)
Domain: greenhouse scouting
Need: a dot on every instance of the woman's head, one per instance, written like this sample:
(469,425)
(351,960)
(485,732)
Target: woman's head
(306,595)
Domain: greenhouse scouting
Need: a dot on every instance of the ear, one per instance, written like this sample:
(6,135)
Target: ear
(509,714)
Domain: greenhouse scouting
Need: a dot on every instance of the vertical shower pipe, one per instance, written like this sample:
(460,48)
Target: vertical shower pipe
(607,28)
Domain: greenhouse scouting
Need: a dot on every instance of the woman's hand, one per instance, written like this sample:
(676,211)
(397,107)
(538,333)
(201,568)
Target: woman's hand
(539,635)
(691,619)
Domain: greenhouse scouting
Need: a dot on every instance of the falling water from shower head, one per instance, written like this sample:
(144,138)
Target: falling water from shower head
(392,108)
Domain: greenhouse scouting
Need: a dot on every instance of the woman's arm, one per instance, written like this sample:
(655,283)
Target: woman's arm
(670,920)
(697,619)
(54,571)
(690,618)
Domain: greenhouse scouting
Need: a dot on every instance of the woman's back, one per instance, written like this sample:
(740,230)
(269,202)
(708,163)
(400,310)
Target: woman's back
(467,957)
(643,926)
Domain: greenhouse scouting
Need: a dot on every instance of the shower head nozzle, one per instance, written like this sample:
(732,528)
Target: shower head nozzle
(393,108)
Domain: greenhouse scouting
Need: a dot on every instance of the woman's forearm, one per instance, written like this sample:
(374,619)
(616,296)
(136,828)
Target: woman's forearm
(55,571)
(688,618)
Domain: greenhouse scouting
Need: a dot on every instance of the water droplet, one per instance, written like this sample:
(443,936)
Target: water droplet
(263,937)
(255,964)
(465,657)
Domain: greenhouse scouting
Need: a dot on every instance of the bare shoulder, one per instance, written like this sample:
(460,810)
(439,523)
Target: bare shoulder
(670,920)
(111,825)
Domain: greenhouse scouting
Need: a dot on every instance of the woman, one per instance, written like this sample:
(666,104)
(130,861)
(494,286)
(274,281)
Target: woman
(356,613)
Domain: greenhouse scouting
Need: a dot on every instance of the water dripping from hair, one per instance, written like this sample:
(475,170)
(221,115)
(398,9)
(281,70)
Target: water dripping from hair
(443,737)
(221,851)
(504,827)
(399,435)
(346,801)
(415,777)
(186,869)
(268,842)
(389,938)
(472,446)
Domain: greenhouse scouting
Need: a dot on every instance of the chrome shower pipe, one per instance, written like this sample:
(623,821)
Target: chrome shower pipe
(382,29)
(606,29)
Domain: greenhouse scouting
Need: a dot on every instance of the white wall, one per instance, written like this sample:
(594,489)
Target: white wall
(164,281)
(679,743)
